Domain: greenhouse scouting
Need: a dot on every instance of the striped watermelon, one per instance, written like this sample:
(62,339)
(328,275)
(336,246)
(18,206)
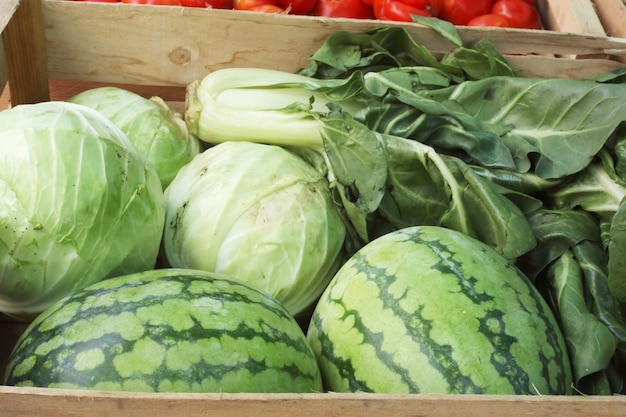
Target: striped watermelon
(431,310)
(166,331)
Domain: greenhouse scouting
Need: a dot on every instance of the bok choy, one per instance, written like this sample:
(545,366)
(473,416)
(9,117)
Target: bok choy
(253,104)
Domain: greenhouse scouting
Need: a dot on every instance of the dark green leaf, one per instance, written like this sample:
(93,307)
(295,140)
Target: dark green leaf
(592,259)
(556,231)
(619,152)
(442,27)
(591,345)
(481,60)
(488,215)
(617,253)
(382,48)
(523,182)
(594,189)
(358,168)
(561,123)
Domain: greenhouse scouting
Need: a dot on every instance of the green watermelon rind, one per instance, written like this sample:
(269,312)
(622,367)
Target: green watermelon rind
(166,331)
(379,328)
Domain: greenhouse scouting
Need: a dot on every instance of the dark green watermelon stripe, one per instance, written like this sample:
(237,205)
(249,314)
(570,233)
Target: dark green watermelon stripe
(343,365)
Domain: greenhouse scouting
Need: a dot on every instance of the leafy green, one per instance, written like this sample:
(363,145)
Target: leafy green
(534,167)
(570,264)
(617,253)
(555,148)
(596,189)
(590,343)
(388,182)
(343,53)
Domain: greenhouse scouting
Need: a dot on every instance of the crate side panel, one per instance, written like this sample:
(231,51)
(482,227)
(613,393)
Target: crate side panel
(17,402)
(164,45)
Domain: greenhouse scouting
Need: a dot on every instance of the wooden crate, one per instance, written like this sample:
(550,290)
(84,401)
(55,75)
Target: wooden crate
(54,48)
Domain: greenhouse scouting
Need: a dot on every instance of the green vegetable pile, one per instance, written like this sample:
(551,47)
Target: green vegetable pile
(535,168)
(378,134)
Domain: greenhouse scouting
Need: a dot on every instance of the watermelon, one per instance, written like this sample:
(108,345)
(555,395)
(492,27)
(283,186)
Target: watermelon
(426,309)
(166,330)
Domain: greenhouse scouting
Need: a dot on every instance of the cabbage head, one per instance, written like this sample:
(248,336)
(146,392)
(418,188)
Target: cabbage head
(260,214)
(159,133)
(78,204)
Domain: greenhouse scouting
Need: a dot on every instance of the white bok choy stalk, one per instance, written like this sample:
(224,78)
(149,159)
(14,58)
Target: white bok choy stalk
(259,105)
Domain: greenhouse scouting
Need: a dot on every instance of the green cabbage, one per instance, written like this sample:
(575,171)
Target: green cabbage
(78,204)
(159,133)
(260,214)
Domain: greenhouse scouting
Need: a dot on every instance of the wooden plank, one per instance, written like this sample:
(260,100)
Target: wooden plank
(4,73)
(7,9)
(82,46)
(576,16)
(23,402)
(25,51)
(612,14)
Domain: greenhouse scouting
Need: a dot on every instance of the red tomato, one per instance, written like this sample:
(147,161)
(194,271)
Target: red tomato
(250,4)
(154,2)
(431,6)
(519,13)
(355,9)
(216,4)
(296,6)
(435,7)
(489,20)
(399,11)
(268,8)
(459,12)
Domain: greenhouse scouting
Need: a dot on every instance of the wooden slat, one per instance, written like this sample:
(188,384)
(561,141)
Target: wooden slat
(27,402)
(7,9)
(612,14)
(576,16)
(82,46)
(25,51)
(4,72)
